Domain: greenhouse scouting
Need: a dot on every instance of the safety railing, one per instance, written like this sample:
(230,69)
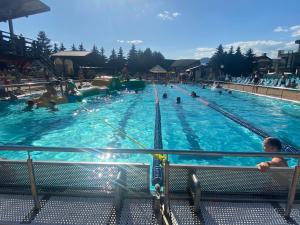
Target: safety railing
(293,184)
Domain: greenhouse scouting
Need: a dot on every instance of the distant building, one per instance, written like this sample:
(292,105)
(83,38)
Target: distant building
(181,65)
(263,63)
(288,61)
(69,62)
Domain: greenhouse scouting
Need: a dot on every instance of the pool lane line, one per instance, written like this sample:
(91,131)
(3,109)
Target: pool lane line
(158,159)
(286,146)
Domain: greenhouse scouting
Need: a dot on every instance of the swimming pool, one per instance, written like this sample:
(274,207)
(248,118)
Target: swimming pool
(126,120)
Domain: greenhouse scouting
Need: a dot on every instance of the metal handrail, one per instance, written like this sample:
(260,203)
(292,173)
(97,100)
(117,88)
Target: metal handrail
(148,151)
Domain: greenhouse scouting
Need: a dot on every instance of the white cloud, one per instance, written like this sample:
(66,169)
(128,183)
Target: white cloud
(166,15)
(280,29)
(295,31)
(204,52)
(259,47)
(135,42)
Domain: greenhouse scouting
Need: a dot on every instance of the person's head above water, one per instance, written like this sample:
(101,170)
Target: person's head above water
(178,100)
(30,103)
(165,95)
(272,144)
(220,92)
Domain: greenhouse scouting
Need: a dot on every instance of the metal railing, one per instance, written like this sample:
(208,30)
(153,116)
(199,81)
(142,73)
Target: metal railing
(30,149)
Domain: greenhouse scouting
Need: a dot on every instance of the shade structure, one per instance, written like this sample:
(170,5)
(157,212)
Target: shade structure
(158,70)
(11,9)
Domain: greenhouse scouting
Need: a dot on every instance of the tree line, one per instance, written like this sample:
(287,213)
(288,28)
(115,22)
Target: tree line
(233,62)
(136,61)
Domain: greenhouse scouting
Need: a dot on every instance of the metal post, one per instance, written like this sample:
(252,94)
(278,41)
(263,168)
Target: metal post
(37,204)
(11,28)
(292,192)
(166,187)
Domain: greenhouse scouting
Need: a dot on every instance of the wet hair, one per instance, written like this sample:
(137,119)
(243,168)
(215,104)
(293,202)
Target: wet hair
(220,92)
(178,99)
(165,95)
(30,102)
(273,142)
(229,92)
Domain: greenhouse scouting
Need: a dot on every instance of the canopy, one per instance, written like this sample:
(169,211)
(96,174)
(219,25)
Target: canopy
(11,9)
(158,69)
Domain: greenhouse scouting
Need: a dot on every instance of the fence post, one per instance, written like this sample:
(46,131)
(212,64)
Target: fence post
(37,204)
(166,187)
(292,192)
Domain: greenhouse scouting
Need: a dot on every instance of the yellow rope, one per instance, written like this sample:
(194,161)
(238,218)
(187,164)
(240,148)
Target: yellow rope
(157,156)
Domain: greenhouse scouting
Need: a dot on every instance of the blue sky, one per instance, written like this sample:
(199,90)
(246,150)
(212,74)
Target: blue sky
(177,28)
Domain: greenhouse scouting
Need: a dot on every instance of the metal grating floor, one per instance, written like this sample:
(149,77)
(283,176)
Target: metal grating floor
(17,209)
(138,212)
(14,209)
(76,211)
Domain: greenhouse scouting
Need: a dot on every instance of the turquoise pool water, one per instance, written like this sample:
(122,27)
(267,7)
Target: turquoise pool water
(113,121)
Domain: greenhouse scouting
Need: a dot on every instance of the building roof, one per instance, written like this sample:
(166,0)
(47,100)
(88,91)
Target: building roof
(71,54)
(158,69)
(184,62)
(11,9)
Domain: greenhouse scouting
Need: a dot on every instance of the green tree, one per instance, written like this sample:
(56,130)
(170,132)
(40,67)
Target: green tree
(80,47)
(44,43)
(217,60)
(73,48)
(250,64)
(121,61)
(55,48)
(132,60)
(103,58)
(62,47)
(95,49)
(113,61)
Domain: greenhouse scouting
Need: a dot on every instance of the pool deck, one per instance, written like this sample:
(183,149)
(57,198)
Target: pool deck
(288,94)
(19,209)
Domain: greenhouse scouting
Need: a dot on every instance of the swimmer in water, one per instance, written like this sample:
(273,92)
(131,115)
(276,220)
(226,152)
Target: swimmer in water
(194,95)
(29,107)
(220,92)
(272,145)
(230,92)
(52,106)
(178,100)
(165,95)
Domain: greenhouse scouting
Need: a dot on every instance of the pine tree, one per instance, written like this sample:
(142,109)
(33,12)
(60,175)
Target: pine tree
(121,60)
(62,47)
(95,49)
(132,59)
(80,47)
(55,48)
(103,58)
(113,61)
(73,48)
(250,62)
(44,43)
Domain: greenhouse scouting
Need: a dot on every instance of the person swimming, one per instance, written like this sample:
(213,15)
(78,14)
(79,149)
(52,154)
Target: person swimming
(29,107)
(178,100)
(272,145)
(203,86)
(230,92)
(165,95)
(220,92)
(194,95)
(52,106)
